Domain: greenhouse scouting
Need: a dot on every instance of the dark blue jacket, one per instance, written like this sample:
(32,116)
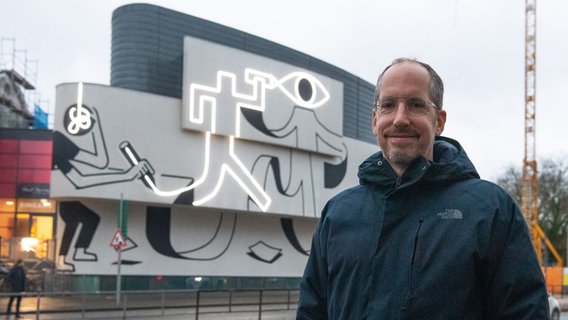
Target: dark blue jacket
(436,243)
(17,279)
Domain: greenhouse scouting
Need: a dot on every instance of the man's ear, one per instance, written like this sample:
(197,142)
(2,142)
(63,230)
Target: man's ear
(375,123)
(440,122)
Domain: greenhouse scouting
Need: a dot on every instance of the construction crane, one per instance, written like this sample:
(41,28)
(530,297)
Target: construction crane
(529,187)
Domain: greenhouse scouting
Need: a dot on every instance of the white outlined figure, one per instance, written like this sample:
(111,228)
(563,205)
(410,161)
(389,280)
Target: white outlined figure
(217,111)
(203,110)
(204,113)
(205,101)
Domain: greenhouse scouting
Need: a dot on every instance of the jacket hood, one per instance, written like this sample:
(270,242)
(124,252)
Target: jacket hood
(450,163)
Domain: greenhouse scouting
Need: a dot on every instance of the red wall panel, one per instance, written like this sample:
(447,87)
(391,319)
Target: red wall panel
(7,190)
(8,175)
(8,160)
(8,146)
(33,146)
(35,161)
(23,161)
(34,176)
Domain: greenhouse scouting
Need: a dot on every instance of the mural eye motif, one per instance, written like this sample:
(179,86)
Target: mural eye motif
(304,89)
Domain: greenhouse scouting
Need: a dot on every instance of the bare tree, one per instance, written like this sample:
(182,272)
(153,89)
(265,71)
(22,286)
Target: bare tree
(511,182)
(553,198)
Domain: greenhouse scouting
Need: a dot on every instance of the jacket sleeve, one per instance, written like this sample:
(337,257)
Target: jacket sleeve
(313,287)
(11,277)
(516,288)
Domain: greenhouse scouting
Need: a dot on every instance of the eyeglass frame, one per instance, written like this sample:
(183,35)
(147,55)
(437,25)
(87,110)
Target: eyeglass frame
(406,99)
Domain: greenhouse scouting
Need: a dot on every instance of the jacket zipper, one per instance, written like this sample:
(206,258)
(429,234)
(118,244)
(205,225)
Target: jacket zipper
(409,295)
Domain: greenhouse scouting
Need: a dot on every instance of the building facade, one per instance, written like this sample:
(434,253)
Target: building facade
(206,162)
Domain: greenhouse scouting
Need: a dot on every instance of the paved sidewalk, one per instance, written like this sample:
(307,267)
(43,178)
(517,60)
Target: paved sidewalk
(181,314)
(152,315)
(68,307)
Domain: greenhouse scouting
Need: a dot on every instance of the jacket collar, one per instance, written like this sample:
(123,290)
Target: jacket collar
(450,163)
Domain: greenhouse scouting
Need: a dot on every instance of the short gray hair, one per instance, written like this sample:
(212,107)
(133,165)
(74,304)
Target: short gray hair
(436,84)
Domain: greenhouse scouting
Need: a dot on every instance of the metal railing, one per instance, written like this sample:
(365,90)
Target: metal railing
(152,304)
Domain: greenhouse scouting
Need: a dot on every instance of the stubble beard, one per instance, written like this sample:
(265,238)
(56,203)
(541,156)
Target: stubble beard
(401,158)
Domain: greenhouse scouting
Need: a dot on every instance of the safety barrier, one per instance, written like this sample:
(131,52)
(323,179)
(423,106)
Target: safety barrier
(152,304)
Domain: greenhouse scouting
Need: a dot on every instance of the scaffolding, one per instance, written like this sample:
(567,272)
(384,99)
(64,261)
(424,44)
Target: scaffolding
(22,74)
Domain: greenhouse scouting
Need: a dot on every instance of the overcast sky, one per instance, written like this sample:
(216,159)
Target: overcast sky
(477,47)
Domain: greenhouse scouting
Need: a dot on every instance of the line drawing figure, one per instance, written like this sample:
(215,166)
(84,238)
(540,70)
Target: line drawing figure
(85,168)
(308,94)
(309,133)
(216,111)
(158,232)
(263,252)
(88,168)
(291,178)
(287,225)
(203,115)
(74,213)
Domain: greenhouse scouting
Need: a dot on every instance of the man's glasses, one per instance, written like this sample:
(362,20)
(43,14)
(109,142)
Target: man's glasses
(414,106)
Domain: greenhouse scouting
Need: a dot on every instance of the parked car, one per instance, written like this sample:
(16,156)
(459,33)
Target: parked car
(554,307)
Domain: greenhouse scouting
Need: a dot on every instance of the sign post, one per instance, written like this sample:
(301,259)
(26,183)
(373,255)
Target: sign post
(123,217)
(118,241)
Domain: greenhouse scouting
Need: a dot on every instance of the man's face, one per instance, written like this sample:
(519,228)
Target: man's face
(402,135)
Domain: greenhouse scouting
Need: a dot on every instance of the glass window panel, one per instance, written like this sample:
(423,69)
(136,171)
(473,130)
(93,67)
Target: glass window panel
(22,225)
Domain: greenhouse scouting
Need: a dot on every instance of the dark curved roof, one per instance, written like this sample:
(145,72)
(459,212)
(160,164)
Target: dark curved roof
(147,55)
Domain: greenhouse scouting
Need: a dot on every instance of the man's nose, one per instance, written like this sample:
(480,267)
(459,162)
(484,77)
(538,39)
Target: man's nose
(400,113)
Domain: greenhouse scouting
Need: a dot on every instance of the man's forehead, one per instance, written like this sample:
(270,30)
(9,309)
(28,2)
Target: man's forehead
(405,78)
(408,69)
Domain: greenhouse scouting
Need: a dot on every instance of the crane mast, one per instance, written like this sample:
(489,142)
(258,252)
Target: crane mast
(529,196)
(529,187)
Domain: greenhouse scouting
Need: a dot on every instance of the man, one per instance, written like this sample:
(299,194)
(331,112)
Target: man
(421,236)
(17,280)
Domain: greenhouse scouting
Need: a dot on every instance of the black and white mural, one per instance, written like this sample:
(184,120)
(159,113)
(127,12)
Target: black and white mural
(228,180)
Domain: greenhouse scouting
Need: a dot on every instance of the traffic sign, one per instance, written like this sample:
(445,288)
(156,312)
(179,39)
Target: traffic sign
(118,240)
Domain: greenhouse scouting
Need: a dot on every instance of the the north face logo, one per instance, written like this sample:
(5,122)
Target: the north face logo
(450,214)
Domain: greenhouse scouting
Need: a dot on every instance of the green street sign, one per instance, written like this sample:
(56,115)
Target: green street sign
(123,217)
